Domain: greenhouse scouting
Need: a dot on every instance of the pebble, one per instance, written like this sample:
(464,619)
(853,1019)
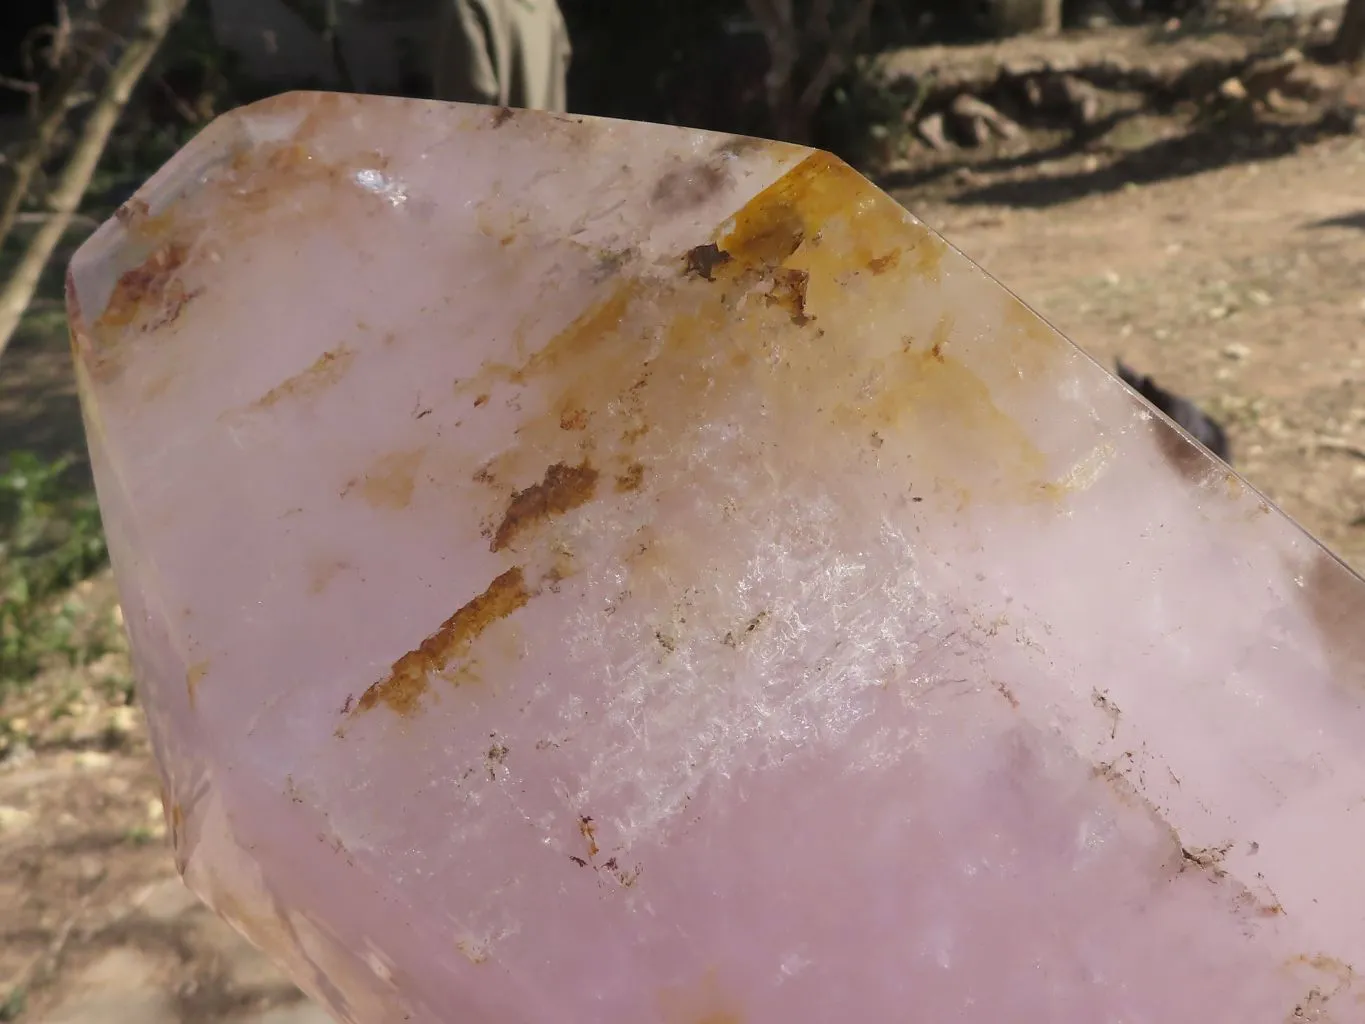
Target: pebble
(1236,351)
(14,819)
(123,720)
(1233,89)
(93,760)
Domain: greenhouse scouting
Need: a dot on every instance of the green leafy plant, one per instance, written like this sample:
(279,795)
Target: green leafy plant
(50,540)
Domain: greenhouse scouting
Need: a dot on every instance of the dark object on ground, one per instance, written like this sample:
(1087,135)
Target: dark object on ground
(1349,43)
(1186,414)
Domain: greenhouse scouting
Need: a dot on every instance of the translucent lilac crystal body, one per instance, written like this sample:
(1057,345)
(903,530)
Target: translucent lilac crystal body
(583,572)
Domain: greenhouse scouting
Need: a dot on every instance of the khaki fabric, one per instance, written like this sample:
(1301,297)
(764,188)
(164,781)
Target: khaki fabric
(511,53)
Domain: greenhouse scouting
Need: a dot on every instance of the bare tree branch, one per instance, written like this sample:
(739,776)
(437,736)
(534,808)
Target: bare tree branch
(795,44)
(819,29)
(836,57)
(152,21)
(18,85)
(54,105)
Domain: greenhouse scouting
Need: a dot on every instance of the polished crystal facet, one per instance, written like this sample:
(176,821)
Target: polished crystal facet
(584,572)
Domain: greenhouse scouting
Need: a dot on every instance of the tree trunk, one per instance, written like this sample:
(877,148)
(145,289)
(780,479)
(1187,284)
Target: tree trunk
(1349,44)
(821,41)
(1016,17)
(152,22)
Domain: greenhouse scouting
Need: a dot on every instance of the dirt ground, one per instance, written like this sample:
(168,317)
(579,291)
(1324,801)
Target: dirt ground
(1225,259)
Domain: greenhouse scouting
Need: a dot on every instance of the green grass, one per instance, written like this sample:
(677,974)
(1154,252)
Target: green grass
(50,540)
(13,1004)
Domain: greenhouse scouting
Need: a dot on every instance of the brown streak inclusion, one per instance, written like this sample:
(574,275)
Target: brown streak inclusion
(325,371)
(285,183)
(881,264)
(148,284)
(402,689)
(564,488)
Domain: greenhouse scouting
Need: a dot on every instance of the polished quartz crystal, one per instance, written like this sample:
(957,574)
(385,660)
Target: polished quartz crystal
(584,572)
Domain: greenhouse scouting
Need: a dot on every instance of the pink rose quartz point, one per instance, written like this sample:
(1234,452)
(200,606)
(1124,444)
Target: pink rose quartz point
(585,572)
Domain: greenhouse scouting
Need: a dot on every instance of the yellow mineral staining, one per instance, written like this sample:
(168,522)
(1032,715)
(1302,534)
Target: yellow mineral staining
(324,372)
(1320,963)
(137,220)
(588,336)
(1030,344)
(1327,978)
(402,689)
(323,571)
(587,829)
(158,385)
(820,192)
(175,818)
(390,481)
(931,389)
(473,951)
(193,675)
(793,306)
(704,1003)
(881,264)
(1084,474)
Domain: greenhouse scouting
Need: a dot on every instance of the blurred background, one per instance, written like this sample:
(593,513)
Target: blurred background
(1177,182)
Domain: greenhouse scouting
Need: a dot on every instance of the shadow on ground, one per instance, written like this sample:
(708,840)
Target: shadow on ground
(1209,145)
(1216,141)
(1350,220)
